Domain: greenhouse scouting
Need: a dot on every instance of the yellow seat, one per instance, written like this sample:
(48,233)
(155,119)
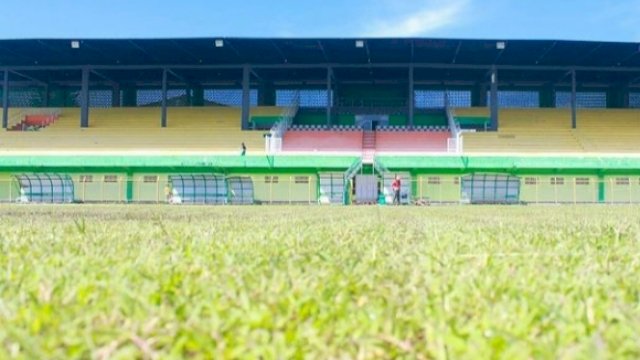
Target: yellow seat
(197,129)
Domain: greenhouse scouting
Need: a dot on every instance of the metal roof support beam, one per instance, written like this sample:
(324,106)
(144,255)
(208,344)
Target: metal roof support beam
(38,82)
(84,99)
(103,76)
(329,87)
(411,97)
(177,76)
(494,99)
(574,103)
(246,97)
(163,111)
(333,65)
(5,100)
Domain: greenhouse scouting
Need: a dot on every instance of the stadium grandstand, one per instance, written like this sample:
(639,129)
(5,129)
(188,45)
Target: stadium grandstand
(329,121)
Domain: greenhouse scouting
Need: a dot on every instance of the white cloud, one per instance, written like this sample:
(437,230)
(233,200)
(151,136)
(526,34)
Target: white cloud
(433,16)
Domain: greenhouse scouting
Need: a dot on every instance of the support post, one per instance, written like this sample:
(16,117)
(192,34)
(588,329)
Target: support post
(574,103)
(494,99)
(411,98)
(329,87)
(45,103)
(115,96)
(246,99)
(5,100)
(163,112)
(84,99)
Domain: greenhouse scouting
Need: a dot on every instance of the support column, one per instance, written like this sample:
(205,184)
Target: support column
(411,98)
(5,100)
(115,96)
(45,103)
(494,99)
(163,111)
(246,97)
(84,99)
(574,103)
(329,86)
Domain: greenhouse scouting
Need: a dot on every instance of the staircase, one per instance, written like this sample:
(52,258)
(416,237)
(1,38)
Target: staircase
(368,146)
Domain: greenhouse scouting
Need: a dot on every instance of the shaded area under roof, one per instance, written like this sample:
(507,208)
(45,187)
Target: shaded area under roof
(202,61)
(235,51)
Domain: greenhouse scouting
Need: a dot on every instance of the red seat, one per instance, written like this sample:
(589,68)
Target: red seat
(38,120)
(411,141)
(322,141)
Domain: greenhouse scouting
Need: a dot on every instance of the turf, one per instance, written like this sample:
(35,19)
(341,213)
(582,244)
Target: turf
(319,282)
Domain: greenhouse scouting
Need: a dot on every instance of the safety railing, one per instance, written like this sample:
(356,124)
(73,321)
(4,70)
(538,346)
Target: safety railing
(307,190)
(454,143)
(273,140)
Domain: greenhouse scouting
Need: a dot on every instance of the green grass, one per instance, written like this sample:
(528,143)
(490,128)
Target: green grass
(319,282)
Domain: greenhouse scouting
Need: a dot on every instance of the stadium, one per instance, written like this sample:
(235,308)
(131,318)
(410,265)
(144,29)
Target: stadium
(239,197)
(329,121)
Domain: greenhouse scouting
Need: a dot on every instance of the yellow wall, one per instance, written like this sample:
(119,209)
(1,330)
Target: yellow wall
(571,191)
(285,190)
(448,190)
(98,190)
(149,191)
(8,189)
(617,192)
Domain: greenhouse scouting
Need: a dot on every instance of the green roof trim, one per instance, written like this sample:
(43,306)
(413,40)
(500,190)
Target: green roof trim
(14,162)
(515,164)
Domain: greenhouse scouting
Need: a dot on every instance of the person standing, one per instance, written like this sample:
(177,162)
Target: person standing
(396,185)
(244,150)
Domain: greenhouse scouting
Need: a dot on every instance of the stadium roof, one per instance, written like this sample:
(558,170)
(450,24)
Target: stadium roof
(462,59)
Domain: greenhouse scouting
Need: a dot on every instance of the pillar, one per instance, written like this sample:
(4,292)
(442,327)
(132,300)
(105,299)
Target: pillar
(411,98)
(84,99)
(163,111)
(329,87)
(5,100)
(574,103)
(246,97)
(494,99)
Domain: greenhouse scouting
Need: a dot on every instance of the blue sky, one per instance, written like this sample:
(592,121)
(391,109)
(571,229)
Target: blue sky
(610,20)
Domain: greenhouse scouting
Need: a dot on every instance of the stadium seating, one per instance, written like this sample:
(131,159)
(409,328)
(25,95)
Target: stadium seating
(210,129)
(549,131)
(610,130)
(414,141)
(524,131)
(328,141)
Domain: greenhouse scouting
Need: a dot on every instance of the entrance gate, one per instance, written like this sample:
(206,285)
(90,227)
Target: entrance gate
(366,189)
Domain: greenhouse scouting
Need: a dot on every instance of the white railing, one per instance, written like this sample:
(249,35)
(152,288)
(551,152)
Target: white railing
(454,144)
(273,140)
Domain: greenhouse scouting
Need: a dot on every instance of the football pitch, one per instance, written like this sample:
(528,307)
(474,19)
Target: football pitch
(118,281)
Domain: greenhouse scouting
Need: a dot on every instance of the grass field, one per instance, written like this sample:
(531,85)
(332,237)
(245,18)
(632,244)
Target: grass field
(310,282)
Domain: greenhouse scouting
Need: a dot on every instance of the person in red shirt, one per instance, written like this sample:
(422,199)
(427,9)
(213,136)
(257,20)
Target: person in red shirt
(395,186)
